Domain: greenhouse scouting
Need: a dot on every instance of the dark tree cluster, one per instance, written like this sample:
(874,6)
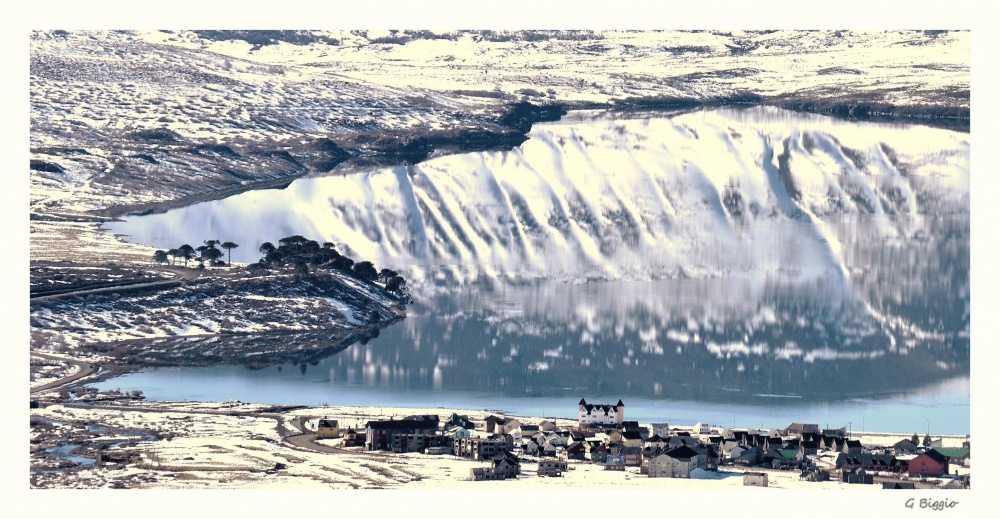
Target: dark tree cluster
(299,253)
(207,253)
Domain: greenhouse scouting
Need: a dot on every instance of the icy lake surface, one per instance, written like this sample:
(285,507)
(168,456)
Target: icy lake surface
(737,266)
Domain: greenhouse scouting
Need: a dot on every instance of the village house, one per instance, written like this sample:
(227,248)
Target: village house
(597,452)
(378,434)
(404,442)
(575,451)
(484,474)
(507,464)
(614,462)
(871,462)
(353,438)
(482,448)
(632,455)
(730,449)
(461,421)
(784,459)
(491,423)
(661,429)
(814,475)
(737,435)
(458,432)
(838,433)
(798,429)
(905,447)
(440,450)
(507,425)
(555,438)
(811,437)
(856,477)
(530,448)
(549,450)
(547,426)
(852,447)
(552,468)
(748,456)
(677,441)
(708,458)
(600,414)
(674,463)
(833,443)
(504,465)
(629,425)
(809,448)
(928,463)
(631,439)
(327,428)
(654,441)
(527,430)
(754,479)
(762,441)
(955,456)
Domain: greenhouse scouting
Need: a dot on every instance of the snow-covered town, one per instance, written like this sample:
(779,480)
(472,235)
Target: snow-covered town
(120,443)
(603,438)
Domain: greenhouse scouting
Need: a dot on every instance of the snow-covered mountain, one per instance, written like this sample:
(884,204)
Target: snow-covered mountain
(124,118)
(732,231)
(701,194)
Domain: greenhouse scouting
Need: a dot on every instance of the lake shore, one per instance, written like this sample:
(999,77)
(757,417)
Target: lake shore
(191,445)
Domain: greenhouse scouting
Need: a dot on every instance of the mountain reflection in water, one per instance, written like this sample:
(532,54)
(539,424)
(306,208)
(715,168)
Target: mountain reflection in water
(721,258)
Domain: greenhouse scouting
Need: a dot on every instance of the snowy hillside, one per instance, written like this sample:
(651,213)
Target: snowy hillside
(702,194)
(124,118)
(357,137)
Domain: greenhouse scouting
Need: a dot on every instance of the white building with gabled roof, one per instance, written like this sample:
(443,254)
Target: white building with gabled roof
(600,414)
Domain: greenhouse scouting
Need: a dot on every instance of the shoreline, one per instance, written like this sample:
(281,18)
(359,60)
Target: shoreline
(237,445)
(662,410)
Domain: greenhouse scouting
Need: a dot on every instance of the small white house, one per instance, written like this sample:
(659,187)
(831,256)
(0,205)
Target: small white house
(754,479)
(508,425)
(703,428)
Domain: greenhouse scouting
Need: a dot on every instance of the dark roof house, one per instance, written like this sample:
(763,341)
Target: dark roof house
(928,463)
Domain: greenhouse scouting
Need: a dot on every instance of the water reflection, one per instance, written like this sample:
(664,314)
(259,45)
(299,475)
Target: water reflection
(724,257)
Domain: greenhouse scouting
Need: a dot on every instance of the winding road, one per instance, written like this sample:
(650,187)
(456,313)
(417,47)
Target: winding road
(85,369)
(299,436)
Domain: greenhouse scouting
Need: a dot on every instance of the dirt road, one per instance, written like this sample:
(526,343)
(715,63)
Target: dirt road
(296,436)
(85,369)
(183,275)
